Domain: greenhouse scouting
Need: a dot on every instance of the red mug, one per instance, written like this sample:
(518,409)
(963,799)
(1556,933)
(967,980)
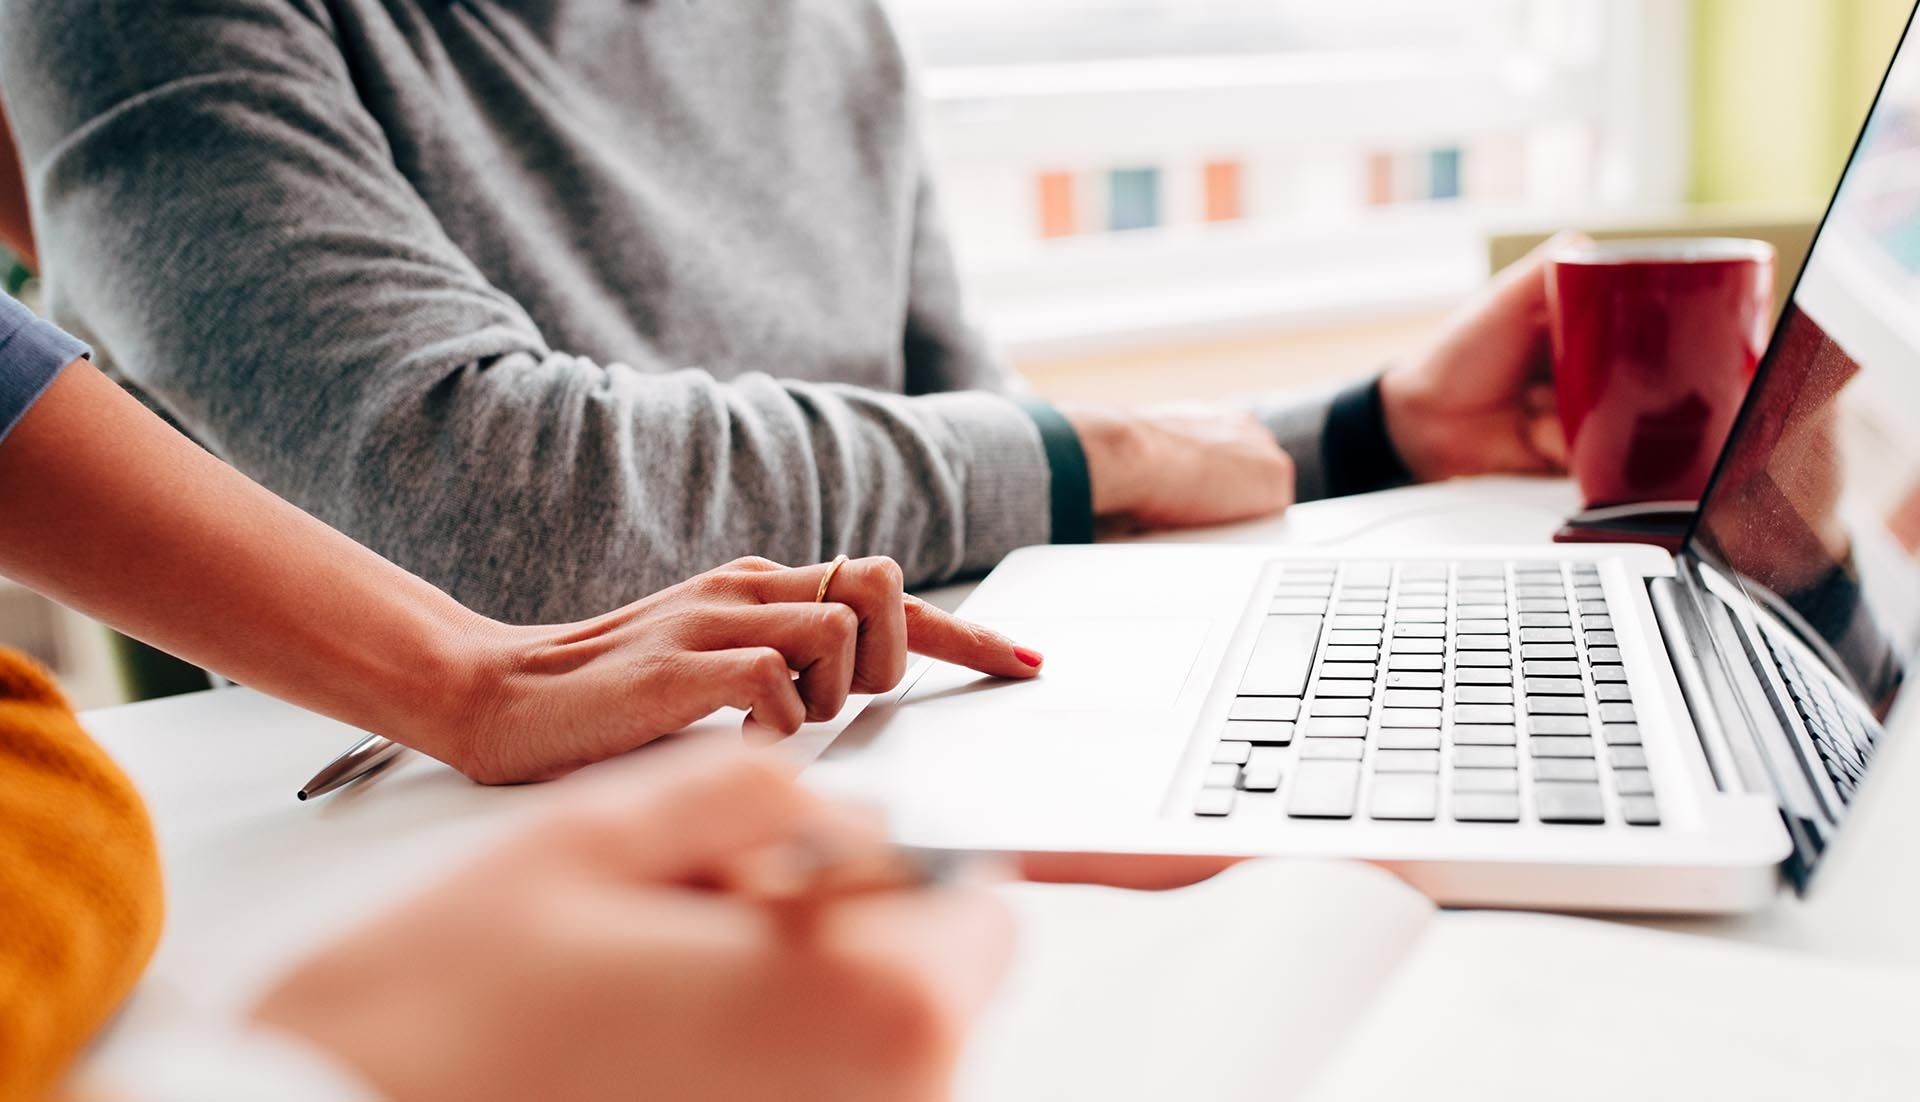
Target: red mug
(1654,344)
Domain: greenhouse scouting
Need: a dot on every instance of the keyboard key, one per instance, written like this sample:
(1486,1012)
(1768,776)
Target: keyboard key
(1419,631)
(1340,706)
(1422,600)
(1485,734)
(1612,694)
(1539,604)
(1410,738)
(1297,606)
(1481,627)
(1258,732)
(1303,589)
(1554,686)
(1483,713)
(1627,757)
(1483,694)
(1409,717)
(1617,713)
(1412,698)
(1405,680)
(1546,620)
(1221,775)
(1556,706)
(1633,782)
(1351,638)
(1602,639)
(1419,646)
(1231,753)
(1486,807)
(1404,661)
(1483,676)
(1532,590)
(1341,687)
(1348,623)
(1262,771)
(1421,571)
(1597,623)
(1265,707)
(1561,802)
(1546,635)
(1558,725)
(1486,780)
(1332,749)
(1353,654)
(1640,810)
(1485,659)
(1364,593)
(1603,654)
(1404,797)
(1480,642)
(1480,612)
(1336,727)
(1324,790)
(1484,757)
(1369,573)
(1560,746)
(1363,671)
(1282,657)
(1620,734)
(1407,615)
(1565,769)
(1548,650)
(1479,569)
(1214,802)
(1548,668)
(1590,607)
(1360,608)
(1610,673)
(1406,761)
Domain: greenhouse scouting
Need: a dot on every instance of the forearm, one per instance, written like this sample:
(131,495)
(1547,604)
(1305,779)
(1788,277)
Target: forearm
(113,513)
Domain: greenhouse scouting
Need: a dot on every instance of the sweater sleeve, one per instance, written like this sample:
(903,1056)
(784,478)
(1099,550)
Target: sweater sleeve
(224,221)
(80,896)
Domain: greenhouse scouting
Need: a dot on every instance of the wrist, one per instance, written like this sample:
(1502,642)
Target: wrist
(1404,408)
(438,700)
(1115,448)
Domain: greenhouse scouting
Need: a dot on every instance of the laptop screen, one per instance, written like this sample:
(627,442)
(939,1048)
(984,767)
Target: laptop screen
(1815,510)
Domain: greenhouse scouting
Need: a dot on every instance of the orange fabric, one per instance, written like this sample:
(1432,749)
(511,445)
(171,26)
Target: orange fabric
(80,900)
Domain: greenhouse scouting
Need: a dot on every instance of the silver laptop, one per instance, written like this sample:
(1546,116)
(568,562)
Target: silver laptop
(1596,727)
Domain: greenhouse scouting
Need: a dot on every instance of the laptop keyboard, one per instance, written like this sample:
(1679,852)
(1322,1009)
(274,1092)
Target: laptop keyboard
(1480,691)
(1844,743)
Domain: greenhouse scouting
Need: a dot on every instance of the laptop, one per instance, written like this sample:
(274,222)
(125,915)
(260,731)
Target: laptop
(1590,727)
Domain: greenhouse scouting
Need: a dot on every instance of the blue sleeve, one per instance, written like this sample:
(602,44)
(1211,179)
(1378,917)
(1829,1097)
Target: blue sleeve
(1072,492)
(32,352)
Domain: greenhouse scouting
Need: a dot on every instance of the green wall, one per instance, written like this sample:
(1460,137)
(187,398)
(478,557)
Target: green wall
(1780,90)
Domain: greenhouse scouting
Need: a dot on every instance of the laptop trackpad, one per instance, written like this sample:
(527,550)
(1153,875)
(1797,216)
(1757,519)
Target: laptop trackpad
(1091,665)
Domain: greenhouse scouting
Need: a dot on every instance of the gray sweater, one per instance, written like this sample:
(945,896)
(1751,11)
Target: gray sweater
(553,302)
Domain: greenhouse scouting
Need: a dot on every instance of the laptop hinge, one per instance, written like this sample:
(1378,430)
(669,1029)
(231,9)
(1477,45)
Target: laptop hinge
(1703,640)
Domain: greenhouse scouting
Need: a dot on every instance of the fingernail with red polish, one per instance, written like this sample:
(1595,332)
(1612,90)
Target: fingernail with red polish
(1028,657)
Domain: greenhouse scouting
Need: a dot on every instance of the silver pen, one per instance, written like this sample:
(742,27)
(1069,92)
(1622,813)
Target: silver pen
(368,756)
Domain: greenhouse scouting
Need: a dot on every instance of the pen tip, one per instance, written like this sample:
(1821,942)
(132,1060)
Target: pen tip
(302,794)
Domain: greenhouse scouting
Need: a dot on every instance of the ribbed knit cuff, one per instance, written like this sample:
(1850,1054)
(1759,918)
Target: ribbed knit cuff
(1007,491)
(1356,452)
(1072,481)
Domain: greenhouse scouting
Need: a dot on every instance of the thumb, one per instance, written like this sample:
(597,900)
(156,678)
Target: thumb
(938,634)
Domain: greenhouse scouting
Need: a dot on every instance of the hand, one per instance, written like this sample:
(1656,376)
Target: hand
(1182,466)
(592,958)
(552,699)
(1482,401)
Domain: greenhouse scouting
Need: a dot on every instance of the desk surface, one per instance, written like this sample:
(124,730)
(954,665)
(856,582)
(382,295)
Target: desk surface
(255,878)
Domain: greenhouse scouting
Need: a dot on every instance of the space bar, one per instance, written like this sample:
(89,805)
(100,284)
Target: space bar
(1282,657)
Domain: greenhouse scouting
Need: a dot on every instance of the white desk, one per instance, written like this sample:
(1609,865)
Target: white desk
(255,878)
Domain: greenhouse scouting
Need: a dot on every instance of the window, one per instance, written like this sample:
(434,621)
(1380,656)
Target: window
(1115,170)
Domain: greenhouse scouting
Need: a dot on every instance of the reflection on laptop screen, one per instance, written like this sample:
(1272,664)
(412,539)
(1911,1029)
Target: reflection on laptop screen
(1816,510)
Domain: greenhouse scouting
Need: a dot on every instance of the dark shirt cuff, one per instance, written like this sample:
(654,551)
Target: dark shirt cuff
(1356,451)
(1072,483)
